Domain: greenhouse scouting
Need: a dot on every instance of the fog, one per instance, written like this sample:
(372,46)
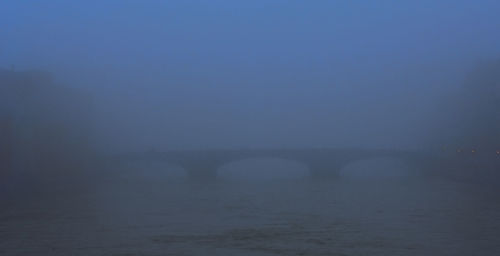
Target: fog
(200,74)
(255,112)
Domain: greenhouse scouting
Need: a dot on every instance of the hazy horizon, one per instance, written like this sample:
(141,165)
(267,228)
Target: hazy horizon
(218,74)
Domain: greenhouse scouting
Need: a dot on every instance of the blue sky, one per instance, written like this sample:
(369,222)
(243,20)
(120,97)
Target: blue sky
(271,72)
(246,31)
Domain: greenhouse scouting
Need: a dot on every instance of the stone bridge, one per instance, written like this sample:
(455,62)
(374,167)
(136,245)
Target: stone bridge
(322,163)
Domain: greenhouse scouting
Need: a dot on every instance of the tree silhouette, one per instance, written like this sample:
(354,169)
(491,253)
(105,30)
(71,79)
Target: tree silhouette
(479,106)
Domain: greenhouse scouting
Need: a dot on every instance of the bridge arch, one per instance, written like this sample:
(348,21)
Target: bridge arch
(263,168)
(379,167)
(154,169)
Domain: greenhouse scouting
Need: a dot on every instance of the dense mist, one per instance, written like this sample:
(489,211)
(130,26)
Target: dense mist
(217,127)
(204,74)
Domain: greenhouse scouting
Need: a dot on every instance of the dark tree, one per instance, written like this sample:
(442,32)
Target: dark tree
(478,106)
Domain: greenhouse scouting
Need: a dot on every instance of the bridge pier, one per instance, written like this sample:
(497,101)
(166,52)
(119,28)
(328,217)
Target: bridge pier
(324,171)
(201,172)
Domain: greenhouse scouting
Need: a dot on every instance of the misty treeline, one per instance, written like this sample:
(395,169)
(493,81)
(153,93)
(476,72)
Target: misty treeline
(471,121)
(47,126)
(44,127)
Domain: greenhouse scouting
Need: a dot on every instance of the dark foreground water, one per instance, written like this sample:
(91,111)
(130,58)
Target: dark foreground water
(150,213)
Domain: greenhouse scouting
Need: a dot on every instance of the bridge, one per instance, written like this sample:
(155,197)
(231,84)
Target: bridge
(322,162)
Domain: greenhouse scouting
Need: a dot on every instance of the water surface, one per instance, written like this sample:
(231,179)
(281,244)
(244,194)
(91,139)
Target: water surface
(148,211)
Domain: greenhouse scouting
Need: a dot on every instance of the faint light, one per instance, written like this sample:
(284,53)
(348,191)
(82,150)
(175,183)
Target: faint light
(459,151)
(473,151)
(498,152)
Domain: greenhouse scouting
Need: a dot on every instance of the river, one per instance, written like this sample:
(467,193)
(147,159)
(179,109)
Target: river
(131,211)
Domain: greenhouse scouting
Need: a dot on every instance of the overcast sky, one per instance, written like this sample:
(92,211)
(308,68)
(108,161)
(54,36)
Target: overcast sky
(262,73)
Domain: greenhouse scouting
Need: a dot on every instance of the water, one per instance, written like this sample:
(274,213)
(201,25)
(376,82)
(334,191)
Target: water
(129,212)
